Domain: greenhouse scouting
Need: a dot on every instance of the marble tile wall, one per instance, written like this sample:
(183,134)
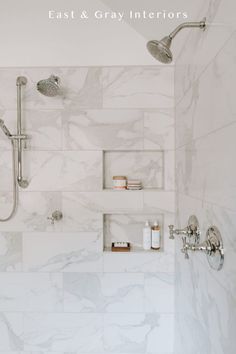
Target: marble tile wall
(59,292)
(205,171)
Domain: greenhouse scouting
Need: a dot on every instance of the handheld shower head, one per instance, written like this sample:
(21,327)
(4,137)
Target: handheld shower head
(49,87)
(4,128)
(160,50)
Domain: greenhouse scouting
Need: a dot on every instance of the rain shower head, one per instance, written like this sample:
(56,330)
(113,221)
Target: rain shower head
(49,87)
(160,50)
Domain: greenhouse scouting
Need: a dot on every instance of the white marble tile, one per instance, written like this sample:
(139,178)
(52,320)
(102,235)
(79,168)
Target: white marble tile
(199,343)
(42,126)
(6,171)
(10,251)
(159,292)
(86,209)
(62,252)
(146,166)
(63,332)
(81,212)
(64,170)
(11,332)
(169,170)
(212,155)
(81,88)
(30,292)
(138,333)
(128,227)
(201,47)
(97,292)
(32,212)
(185,113)
(103,129)
(140,262)
(159,129)
(159,201)
(198,289)
(81,119)
(139,87)
(211,95)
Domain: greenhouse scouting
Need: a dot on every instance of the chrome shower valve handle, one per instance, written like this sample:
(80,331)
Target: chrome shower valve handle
(191,230)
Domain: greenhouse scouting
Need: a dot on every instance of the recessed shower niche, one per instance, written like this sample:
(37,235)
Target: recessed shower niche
(143,165)
(128,228)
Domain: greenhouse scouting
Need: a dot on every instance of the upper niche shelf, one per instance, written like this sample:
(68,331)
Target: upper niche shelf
(146,166)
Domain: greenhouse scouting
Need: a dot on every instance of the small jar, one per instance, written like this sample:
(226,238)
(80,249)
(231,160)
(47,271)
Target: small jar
(119,182)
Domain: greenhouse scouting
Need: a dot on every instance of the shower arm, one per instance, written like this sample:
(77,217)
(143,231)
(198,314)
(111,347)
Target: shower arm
(201,24)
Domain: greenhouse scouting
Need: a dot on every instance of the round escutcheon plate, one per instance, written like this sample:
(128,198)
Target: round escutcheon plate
(216,256)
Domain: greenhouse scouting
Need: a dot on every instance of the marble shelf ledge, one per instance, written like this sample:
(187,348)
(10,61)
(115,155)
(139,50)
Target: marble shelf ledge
(134,250)
(136,190)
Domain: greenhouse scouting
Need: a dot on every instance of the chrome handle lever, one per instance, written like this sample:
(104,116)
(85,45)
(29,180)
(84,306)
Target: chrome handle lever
(191,230)
(56,216)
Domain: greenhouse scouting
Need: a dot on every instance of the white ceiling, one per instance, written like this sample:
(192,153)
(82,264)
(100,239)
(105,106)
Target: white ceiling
(157,29)
(29,38)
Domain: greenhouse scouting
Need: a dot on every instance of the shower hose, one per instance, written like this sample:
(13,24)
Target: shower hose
(14,207)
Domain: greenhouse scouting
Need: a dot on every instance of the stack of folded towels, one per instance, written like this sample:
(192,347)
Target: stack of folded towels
(134,185)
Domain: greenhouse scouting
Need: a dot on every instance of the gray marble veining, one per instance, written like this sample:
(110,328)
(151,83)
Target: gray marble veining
(60,293)
(205,132)
(10,251)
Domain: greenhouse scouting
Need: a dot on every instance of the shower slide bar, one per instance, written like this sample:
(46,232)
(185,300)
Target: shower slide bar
(20,81)
(16,139)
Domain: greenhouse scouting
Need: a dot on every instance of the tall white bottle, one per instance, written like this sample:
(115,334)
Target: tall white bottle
(156,236)
(147,236)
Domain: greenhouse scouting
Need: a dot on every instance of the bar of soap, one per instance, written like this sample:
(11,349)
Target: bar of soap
(120,244)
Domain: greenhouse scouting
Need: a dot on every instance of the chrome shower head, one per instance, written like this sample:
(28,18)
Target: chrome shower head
(160,50)
(49,87)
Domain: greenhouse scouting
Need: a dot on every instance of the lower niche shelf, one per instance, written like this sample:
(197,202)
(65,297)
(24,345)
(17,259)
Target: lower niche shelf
(133,250)
(129,228)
